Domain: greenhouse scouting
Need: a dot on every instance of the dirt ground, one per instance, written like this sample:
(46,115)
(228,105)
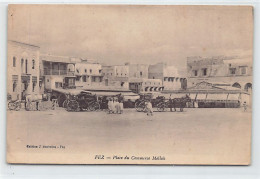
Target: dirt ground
(195,136)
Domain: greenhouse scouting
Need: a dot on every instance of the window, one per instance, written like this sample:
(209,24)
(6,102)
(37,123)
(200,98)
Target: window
(243,70)
(26,66)
(40,84)
(204,71)
(14,62)
(77,78)
(99,71)
(84,78)
(33,64)
(14,86)
(141,73)
(85,70)
(33,86)
(22,68)
(195,72)
(58,84)
(34,82)
(90,70)
(77,70)
(232,71)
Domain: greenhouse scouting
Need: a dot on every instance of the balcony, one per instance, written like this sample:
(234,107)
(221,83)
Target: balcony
(58,72)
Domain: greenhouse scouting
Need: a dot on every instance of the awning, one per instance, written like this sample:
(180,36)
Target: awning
(25,79)
(104,93)
(34,79)
(193,96)
(217,97)
(15,78)
(132,96)
(233,96)
(201,96)
(68,91)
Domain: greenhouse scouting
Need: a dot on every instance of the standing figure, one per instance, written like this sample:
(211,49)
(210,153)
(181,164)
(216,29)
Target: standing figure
(149,108)
(117,106)
(170,102)
(110,106)
(121,105)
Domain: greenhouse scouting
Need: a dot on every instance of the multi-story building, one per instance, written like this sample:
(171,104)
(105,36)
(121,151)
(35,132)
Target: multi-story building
(140,85)
(137,70)
(23,69)
(233,71)
(88,73)
(117,76)
(169,76)
(57,71)
(139,81)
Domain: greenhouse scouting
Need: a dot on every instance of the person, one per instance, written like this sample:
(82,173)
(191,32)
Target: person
(170,102)
(245,106)
(149,108)
(110,106)
(117,106)
(121,105)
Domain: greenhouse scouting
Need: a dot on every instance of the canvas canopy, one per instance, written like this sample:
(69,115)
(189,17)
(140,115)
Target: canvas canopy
(217,97)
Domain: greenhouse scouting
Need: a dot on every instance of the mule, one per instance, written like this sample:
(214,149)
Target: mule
(180,102)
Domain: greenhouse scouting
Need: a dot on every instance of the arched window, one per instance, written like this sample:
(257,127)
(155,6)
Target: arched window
(85,70)
(26,66)
(14,62)
(236,85)
(22,68)
(248,86)
(33,64)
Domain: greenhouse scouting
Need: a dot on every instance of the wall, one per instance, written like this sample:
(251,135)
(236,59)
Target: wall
(22,51)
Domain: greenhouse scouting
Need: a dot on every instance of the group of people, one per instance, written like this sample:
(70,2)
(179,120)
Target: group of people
(115,105)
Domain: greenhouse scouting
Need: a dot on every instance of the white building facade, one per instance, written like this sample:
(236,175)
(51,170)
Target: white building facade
(23,69)
(88,74)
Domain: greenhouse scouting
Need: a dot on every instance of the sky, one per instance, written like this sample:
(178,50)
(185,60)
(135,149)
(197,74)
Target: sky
(136,34)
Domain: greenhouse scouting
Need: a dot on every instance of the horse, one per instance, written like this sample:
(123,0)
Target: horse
(30,98)
(180,102)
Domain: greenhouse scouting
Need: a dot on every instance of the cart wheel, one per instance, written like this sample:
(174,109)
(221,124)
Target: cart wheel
(11,105)
(140,107)
(73,105)
(94,107)
(17,106)
(160,107)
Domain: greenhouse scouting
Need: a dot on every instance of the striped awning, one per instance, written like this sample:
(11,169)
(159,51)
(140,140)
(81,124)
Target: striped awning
(34,79)
(15,78)
(25,79)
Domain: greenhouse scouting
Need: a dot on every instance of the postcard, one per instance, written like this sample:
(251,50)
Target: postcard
(129,84)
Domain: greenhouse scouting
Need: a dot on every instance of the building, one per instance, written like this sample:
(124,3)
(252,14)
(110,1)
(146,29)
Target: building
(117,76)
(88,73)
(23,69)
(57,72)
(137,70)
(143,85)
(233,71)
(169,75)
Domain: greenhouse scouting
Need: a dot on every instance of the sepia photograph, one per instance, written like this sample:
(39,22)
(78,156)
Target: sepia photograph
(129,84)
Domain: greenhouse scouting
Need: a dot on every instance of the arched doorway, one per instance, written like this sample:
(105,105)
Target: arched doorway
(236,85)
